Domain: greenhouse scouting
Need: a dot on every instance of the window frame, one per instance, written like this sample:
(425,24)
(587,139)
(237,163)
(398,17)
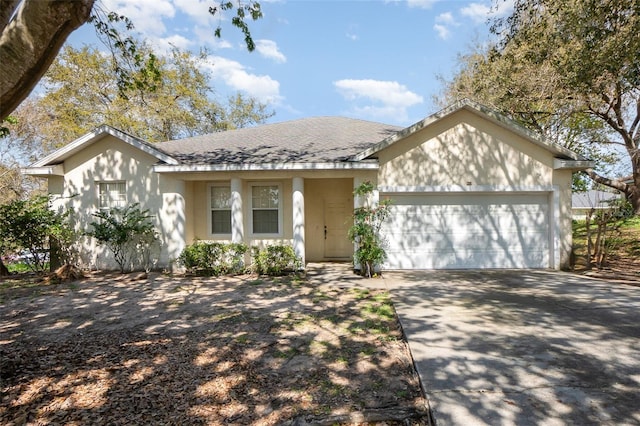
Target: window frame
(99,186)
(210,187)
(264,235)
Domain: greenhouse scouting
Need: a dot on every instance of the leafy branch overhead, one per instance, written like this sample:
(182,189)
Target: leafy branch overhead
(251,9)
(135,68)
(32,32)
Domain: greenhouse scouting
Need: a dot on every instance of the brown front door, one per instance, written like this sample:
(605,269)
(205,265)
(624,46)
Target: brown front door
(336,242)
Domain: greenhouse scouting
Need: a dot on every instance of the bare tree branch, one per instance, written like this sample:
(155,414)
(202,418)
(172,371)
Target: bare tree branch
(611,183)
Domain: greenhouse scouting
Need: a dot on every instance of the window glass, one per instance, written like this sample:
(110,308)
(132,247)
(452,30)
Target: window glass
(112,194)
(265,203)
(220,210)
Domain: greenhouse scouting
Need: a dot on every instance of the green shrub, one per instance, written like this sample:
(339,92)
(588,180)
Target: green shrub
(32,228)
(213,258)
(275,260)
(128,232)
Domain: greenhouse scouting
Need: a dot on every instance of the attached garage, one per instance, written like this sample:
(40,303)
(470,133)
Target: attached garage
(463,230)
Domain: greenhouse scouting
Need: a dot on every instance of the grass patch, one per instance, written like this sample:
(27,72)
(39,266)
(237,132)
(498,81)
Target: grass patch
(233,317)
(361,294)
(384,311)
(287,353)
(624,247)
(294,321)
(368,350)
(18,268)
(242,338)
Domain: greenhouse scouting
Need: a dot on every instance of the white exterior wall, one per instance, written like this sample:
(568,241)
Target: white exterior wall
(466,153)
(107,160)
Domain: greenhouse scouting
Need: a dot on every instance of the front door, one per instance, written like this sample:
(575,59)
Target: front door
(336,242)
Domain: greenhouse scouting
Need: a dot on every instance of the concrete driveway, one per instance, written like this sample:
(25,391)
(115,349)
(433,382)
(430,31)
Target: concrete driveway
(522,347)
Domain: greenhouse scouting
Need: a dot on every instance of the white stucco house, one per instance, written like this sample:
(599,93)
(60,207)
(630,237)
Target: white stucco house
(470,188)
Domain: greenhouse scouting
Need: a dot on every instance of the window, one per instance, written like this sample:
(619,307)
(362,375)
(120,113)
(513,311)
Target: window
(220,209)
(111,195)
(265,206)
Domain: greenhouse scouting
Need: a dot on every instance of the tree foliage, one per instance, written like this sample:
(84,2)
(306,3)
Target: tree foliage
(570,70)
(81,92)
(15,153)
(365,232)
(30,225)
(128,232)
(32,33)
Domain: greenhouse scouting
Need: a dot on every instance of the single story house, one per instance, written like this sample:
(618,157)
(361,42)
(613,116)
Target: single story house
(592,200)
(469,188)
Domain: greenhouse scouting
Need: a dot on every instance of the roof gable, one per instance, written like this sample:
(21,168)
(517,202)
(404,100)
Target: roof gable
(95,135)
(481,111)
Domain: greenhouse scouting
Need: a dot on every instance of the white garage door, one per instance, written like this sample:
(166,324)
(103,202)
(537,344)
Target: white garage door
(458,231)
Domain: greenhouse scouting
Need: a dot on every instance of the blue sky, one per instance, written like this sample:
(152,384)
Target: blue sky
(375,60)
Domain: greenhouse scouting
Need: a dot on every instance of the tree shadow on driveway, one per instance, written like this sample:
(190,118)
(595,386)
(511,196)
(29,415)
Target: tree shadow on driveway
(522,347)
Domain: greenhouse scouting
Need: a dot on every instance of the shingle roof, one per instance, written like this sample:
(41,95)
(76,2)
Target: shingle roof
(593,199)
(315,139)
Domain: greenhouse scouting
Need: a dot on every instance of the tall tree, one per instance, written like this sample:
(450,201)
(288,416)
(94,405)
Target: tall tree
(32,33)
(81,92)
(569,69)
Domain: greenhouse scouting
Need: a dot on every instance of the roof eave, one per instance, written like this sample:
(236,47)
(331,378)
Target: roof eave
(562,164)
(44,171)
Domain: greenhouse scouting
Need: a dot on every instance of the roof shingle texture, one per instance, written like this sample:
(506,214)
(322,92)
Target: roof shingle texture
(316,139)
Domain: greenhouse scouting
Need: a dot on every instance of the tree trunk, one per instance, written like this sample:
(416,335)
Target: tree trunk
(587,230)
(30,42)
(634,197)
(3,269)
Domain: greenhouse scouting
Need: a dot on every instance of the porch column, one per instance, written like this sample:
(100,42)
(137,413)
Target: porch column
(298,218)
(237,220)
(358,200)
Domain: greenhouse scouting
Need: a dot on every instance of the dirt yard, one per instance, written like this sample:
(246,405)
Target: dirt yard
(129,349)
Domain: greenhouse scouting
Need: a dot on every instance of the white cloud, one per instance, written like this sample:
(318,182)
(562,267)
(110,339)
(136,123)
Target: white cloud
(197,10)
(206,37)
(269,49)
(235,75)
(387,99)
(443,25)
(443,31)
(422,4)
(146,22)
(481,12)
(502,8)
(164,44)
(445,18)
(476,11)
